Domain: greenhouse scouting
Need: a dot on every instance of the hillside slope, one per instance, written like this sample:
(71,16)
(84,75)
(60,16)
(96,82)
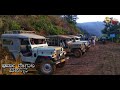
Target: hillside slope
(42,24)
(92,27)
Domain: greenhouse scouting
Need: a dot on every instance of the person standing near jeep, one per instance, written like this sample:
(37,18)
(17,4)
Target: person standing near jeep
(93,41)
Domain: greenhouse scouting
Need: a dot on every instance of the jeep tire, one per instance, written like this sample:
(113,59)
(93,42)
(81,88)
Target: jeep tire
(46,67)
(77,53)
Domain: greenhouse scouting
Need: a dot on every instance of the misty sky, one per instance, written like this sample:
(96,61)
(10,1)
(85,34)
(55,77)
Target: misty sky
(92,18)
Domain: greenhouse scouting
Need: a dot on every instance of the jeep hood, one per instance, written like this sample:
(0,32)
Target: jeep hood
(77,43)
(84,41)
(52,48)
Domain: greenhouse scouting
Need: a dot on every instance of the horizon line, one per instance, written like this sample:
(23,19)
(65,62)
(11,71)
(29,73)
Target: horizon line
(89,21)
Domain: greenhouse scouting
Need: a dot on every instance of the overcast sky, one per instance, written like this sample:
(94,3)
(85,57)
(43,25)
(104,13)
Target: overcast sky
(92,18)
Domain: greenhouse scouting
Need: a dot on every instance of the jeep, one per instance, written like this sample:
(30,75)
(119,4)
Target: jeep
(65,41)
(77,39)
(33,48)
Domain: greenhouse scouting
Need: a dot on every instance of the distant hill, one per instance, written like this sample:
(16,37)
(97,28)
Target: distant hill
(93,28)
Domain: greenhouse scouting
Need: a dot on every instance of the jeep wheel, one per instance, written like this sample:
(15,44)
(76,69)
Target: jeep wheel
(61,65)
(87,49)
(77,53)
(47,68)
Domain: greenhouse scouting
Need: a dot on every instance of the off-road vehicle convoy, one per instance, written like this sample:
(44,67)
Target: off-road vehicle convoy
(69,45)
(33,48)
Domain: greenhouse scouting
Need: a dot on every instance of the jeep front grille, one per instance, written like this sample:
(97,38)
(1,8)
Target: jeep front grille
(58,54)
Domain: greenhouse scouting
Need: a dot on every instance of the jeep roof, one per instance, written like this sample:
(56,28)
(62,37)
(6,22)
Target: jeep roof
(60,36)
(22,36)
(73,36)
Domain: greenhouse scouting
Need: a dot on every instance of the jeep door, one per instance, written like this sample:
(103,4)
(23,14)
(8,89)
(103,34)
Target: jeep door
(15,48)
(25,51)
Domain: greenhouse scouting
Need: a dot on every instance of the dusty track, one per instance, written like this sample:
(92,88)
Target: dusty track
(99,60)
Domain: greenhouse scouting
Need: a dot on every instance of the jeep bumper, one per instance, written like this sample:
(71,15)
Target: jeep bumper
(83,49)
(87,47)
(61,60)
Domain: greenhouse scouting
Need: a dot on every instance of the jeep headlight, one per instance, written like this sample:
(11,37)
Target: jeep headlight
(54,54)
(61,49)
(64,52)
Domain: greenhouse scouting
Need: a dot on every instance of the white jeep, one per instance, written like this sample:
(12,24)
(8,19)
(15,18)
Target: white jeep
(77,39)
(34,49)
(75,48)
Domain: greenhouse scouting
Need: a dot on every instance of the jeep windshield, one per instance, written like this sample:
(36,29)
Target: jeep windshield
(77,38)
(68,40)
(37,41)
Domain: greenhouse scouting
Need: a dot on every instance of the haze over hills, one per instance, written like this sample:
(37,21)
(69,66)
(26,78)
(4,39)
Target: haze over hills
(93,28)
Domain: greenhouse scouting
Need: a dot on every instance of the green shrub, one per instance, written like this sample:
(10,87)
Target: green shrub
(51,24)
(117,41)
(13,25)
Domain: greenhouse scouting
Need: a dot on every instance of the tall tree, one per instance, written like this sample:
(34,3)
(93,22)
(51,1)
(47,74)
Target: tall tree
(70,18)
(111,25)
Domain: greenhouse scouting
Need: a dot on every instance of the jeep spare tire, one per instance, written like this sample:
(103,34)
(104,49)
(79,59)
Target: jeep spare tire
(47,68)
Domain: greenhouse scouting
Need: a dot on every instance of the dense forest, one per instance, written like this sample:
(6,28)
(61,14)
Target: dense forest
(42,24)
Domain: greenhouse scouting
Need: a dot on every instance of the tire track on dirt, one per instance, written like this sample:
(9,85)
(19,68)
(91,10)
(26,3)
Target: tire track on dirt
(109,59)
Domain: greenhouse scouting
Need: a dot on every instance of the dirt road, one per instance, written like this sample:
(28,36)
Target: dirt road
(99,60)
